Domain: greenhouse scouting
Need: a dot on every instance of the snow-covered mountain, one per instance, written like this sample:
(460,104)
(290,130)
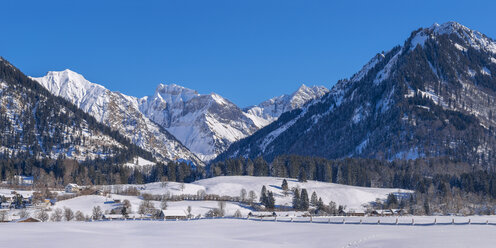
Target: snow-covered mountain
(206,124)
(119,111)
(271,109)
(432,97)
(37,127)
(209,124)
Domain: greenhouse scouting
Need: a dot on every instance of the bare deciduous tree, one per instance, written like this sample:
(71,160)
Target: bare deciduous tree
(56,215)
(97,213)
(42,215)
(242,195)
(80,216)
(189,211)
(68,214)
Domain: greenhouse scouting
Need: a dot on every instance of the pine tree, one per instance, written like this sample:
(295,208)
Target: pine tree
(392,201)
(314,200)
(320,204)
(304,202)
(296,199)
(270,201)
(263,195)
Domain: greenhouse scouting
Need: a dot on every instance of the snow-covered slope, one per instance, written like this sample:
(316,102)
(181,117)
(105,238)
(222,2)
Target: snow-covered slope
(208,124)
(271,109)
(119,111)
(35,124)
(351,196)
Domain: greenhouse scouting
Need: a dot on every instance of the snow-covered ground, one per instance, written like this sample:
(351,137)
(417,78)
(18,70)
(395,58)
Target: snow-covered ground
(240,233)
(352,197)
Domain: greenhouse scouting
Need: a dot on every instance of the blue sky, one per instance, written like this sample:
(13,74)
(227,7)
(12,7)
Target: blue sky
(246,51)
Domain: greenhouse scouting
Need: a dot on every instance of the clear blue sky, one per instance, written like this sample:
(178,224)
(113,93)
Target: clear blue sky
(246,51)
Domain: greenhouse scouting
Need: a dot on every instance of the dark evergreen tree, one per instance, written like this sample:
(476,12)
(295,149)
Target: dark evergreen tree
(304,202)
(270,201)
(263,195)
(392,201)
(296,199)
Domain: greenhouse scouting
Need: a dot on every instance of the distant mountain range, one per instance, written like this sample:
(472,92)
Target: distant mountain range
(119,112)
(175,123)
(434,96)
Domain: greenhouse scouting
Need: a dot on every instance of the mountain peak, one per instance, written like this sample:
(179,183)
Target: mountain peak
(173,93)
(448,27)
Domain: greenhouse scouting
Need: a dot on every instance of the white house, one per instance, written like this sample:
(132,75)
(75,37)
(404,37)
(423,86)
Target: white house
(72,188)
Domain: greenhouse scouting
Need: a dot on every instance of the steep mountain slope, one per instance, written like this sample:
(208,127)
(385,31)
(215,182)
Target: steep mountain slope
(34,124)
(271,109)
(433,96)
(118,111)
(209,124)
(206,124)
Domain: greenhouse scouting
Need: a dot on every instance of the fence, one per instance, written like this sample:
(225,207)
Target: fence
(320,220)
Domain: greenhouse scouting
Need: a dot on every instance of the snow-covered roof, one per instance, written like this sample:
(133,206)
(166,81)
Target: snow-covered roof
(113,216)
(174,212)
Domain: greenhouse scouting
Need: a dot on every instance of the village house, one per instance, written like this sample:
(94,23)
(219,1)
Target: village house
(174,214)
(72,188)
(355,213)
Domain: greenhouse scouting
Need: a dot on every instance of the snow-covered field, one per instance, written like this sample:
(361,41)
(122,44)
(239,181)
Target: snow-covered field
(239,233)
(350,196)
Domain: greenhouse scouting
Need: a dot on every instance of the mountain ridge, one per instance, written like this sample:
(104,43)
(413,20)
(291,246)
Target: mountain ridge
(441,77)
(119,111)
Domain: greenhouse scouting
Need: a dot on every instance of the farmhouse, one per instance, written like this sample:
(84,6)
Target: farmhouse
(174,214)
(355,213)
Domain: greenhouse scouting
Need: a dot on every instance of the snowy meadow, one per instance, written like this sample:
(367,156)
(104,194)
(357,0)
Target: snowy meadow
(241,233)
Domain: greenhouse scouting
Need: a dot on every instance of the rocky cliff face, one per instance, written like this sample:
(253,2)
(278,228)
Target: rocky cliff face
(120,112)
